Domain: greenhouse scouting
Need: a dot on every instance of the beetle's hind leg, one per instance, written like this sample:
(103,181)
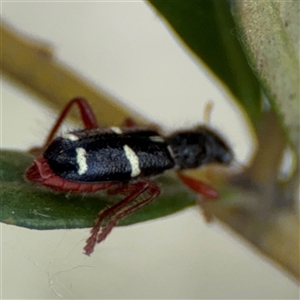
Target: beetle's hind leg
(109,218)
(87,116)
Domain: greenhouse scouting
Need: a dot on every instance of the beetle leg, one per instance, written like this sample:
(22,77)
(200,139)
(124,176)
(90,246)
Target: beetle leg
(200,187)
(129,122)
(153,192)
(92,240)
(120,210)
(87,116)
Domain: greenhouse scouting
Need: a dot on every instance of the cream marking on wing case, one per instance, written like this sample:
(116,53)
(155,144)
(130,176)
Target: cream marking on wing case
(116,130)
(70,136)
(133,160)
(81,161)
(156,139)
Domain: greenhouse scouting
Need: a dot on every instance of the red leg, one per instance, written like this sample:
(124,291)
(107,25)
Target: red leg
(115,213)
(154,192)
(138,188)
(129,122)
(199,186)
(134,190)
(124,189)
(87,116)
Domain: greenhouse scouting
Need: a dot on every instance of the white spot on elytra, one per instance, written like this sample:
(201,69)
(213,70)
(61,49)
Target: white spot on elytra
(70,136)
(116,130)
(133,160)
(81,161)
(171,151)
(156,139)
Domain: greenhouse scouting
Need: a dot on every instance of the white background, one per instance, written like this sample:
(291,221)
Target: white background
(124,47)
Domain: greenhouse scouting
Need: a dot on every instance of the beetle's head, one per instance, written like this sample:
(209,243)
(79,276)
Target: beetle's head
(198,147)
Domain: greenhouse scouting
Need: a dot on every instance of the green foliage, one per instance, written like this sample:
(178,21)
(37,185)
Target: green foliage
(269,33)
(207,28)
(30,205)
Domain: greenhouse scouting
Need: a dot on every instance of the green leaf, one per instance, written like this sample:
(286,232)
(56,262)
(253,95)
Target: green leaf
(33,206)
(207,28)
(269,32)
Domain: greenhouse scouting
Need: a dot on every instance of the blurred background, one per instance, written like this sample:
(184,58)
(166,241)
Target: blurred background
(124,48)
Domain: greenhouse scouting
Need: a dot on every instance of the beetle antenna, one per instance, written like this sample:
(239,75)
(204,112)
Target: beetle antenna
(207,112)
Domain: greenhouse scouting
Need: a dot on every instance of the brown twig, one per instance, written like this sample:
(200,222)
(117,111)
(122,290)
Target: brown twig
(32,64)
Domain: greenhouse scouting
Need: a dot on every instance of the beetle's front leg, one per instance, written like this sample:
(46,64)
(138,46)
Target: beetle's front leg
(198,186)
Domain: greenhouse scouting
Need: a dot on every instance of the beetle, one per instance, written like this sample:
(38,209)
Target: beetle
(121,160)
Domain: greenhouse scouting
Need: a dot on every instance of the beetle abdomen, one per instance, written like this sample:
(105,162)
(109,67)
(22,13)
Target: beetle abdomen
(108,155)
